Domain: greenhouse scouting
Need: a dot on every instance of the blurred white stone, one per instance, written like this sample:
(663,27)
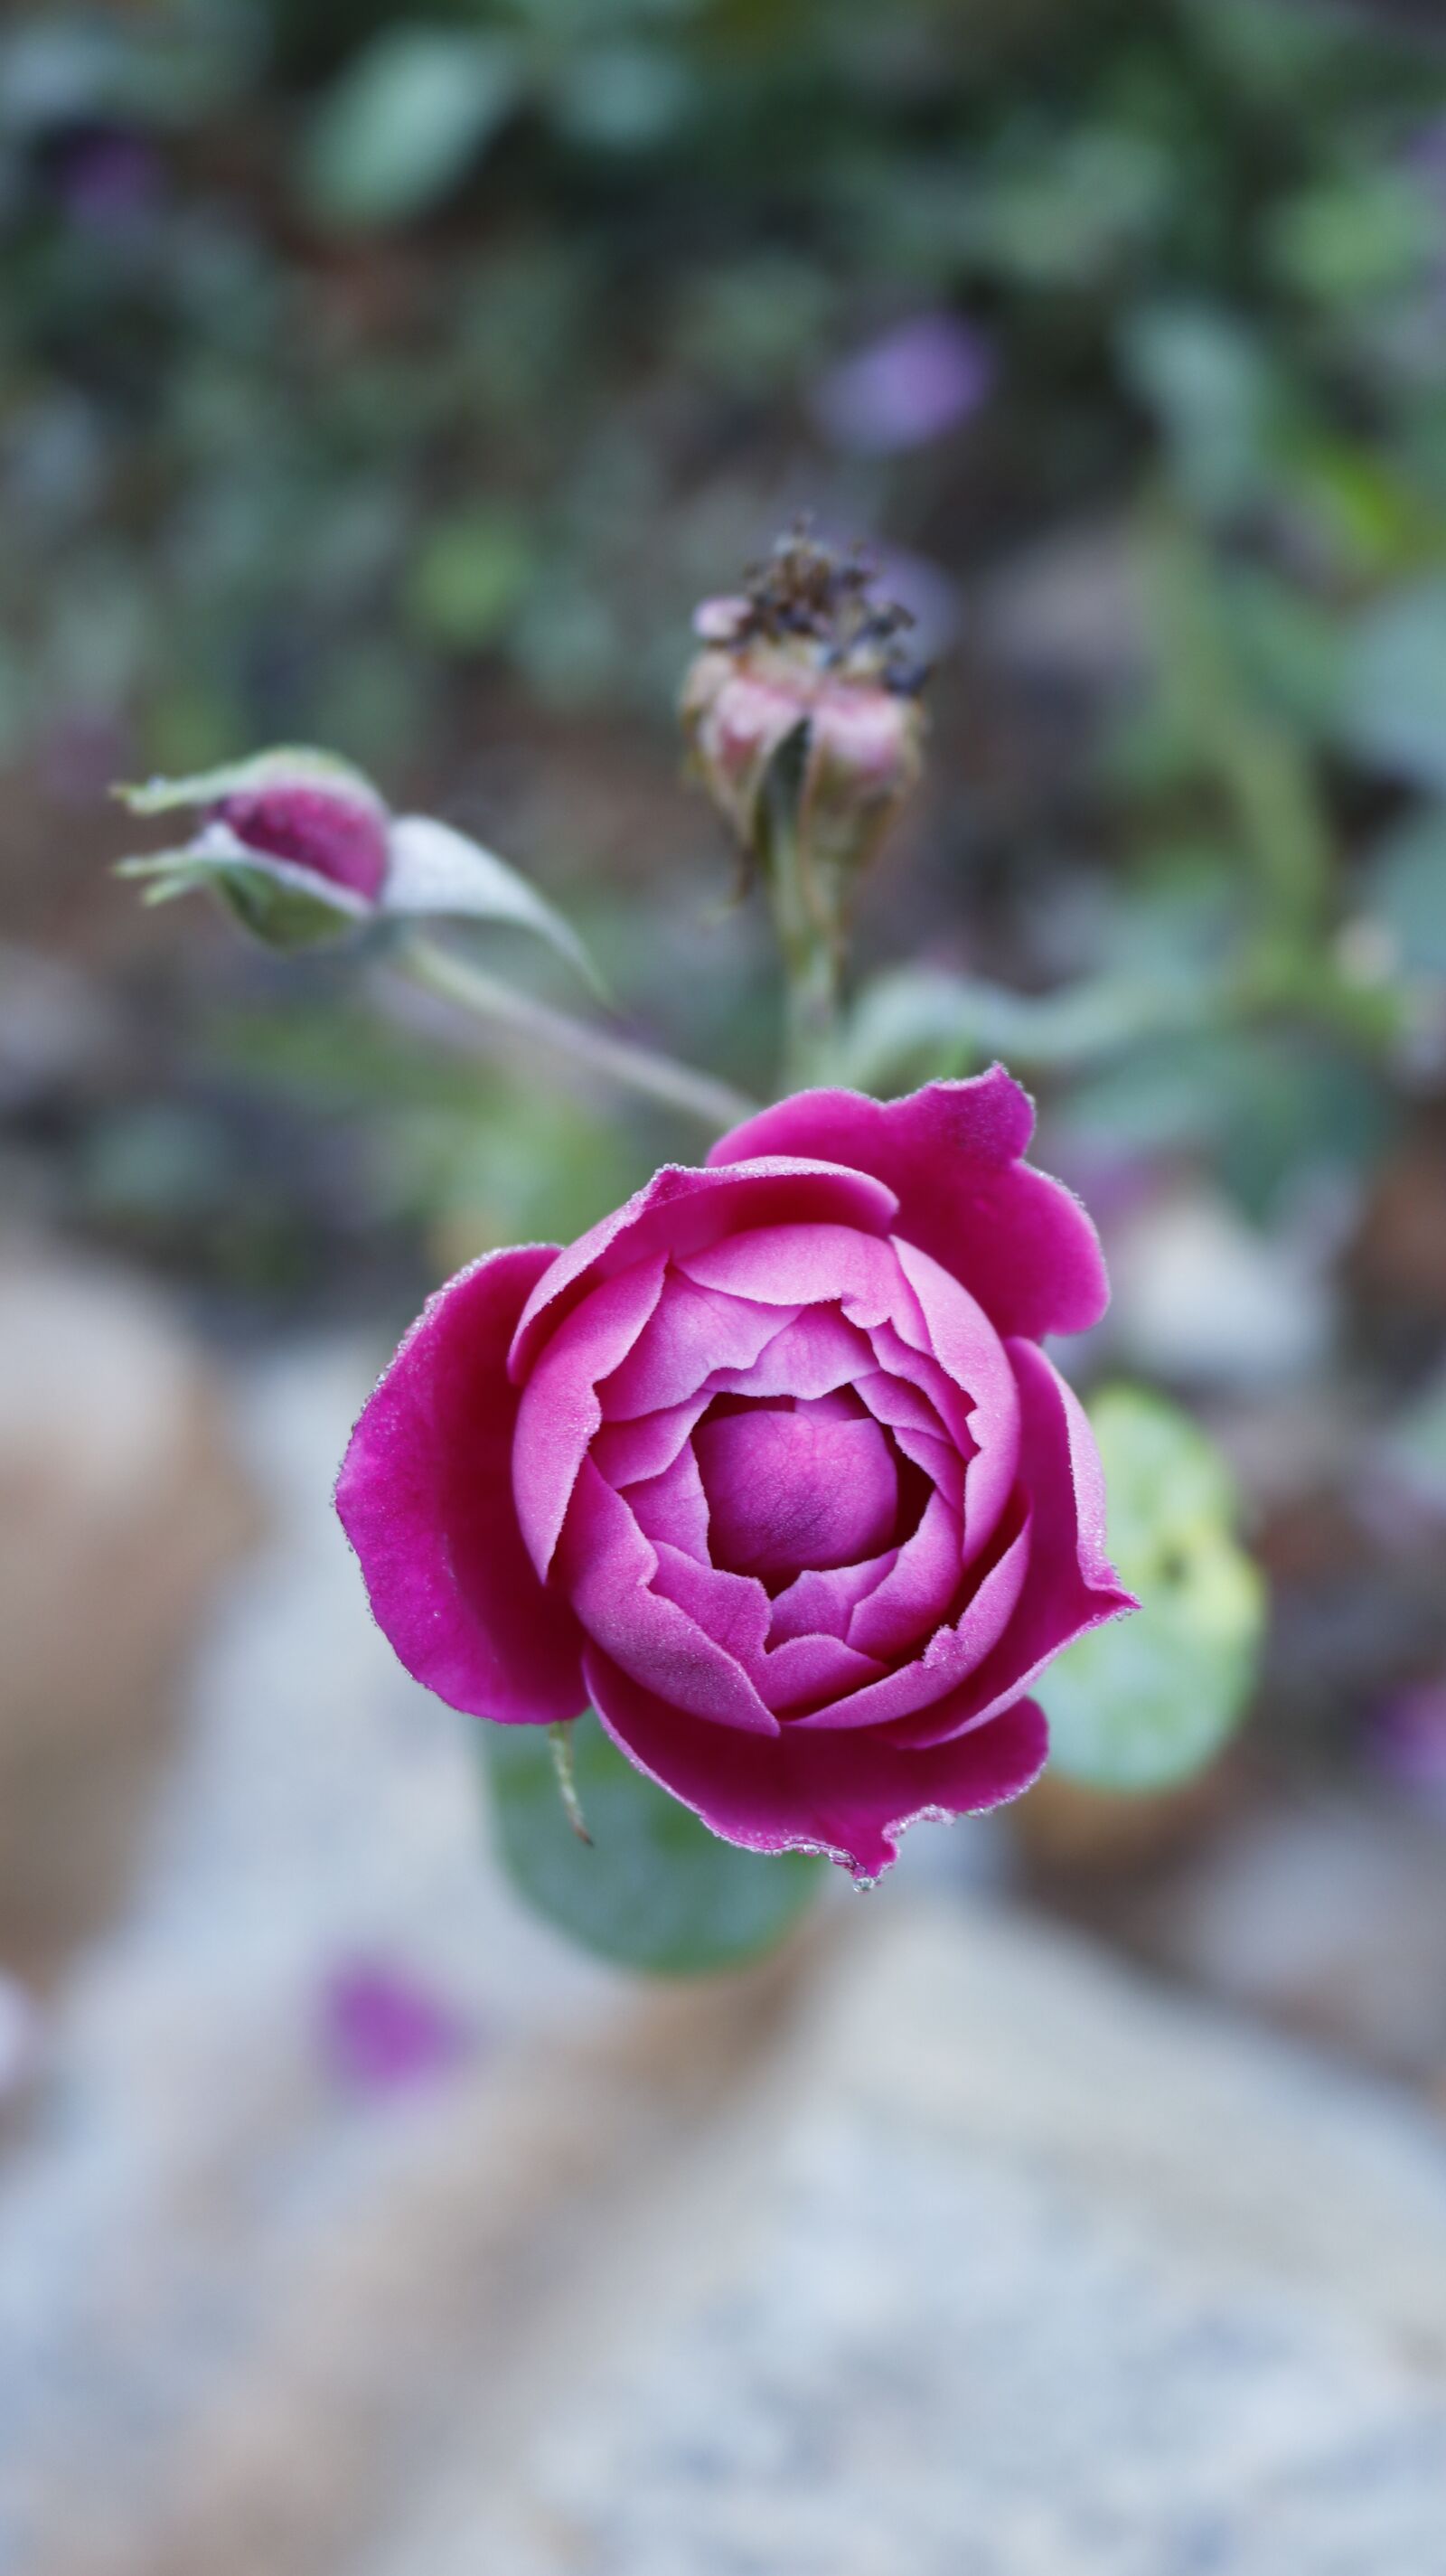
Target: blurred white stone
(1201,1297)
(1013,2267)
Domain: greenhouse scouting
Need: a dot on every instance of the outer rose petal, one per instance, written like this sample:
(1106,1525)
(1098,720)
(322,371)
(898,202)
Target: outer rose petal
(847,1795)
(425,1497)
(1018,1241)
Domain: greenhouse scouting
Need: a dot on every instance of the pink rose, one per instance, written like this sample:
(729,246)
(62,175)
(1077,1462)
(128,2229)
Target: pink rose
(769,1467)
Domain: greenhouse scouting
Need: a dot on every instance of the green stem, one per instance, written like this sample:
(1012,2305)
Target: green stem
(618,1060)
(560,1739)
(806,906)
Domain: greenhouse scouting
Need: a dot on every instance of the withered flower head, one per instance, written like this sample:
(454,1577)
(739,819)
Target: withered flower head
(805,685)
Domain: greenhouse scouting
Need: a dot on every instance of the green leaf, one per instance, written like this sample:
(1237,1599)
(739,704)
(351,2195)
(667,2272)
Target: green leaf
(1395,695)
(654,1889)
(921,1020)
(404,122)
(1211,385)
(432,868)
(1150,1700)
(285,764)
(281,904)
(1405,889)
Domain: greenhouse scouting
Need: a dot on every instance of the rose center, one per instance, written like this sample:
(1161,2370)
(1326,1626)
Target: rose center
(795,1487)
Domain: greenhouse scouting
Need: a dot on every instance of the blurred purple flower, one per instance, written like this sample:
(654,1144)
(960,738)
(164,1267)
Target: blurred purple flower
(383,2032)
(1406,1742)
(913,384)
(107,180)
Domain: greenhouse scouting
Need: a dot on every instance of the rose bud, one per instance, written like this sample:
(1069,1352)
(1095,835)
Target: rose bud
(769,1468)
(806,652)
(302,847)
(295,842)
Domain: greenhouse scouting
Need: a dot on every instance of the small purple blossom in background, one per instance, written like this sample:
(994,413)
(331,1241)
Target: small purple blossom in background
(382,2031)
(107,180)
(1406,1743)
(913,384)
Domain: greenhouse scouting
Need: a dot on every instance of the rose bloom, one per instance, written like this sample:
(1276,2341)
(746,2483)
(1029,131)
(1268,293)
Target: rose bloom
(769,1468)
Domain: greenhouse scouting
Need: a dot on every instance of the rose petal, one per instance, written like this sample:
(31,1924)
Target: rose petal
(967,1347)
(821,1604)
(606,1567)
(627,1453)
(425,1497)
(1015,1238)
(1071,1585)
(671,1509)
(914,1597)
(336,831)
(789,1489)
(810,1356)
(850,1796)
(561,1408)
(797,1264)
(734,1608)
(693,1332)
(948,1661)
(680,1210)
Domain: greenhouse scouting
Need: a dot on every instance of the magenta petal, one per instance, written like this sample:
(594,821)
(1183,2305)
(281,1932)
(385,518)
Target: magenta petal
(914,1597)
(681,1210)
(809,1356)
(813,1672)
(730,1607)
(425,1497)
(849,1796)
(338,831)
(1018,1240)
(694,1331)
(1071,1585)
(798,1264)
(912,1364)
(627,1453)
(607,1567)
(735,1609)
(939,1676)
(561,1408)
(671,1508)
(967,1347)
(822,1604)
(790,1489)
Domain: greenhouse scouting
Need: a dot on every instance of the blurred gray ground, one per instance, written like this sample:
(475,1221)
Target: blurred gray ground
(941,2245)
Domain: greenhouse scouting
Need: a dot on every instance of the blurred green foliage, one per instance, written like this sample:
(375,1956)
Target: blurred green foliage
(336,336)
(652,1888)
(388,378)
(1147,1701)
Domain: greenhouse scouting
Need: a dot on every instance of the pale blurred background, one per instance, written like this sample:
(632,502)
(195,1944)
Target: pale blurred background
(397,379)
